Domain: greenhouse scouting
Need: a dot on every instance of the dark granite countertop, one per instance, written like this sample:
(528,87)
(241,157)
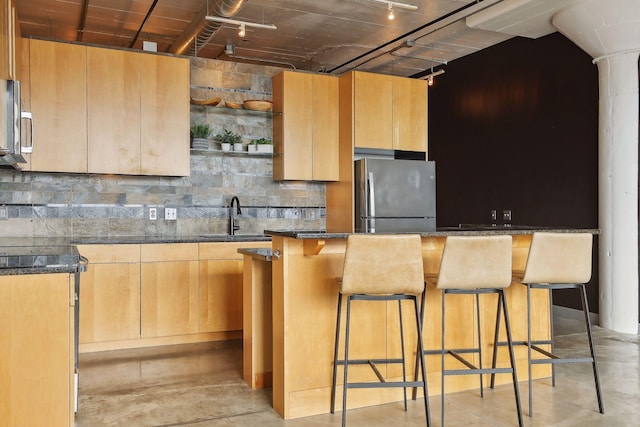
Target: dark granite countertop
(263,254)
(119,240)
(38,256)
(462,230)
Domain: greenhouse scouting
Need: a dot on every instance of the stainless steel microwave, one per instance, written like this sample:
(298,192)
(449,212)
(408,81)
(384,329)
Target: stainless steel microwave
(11,115)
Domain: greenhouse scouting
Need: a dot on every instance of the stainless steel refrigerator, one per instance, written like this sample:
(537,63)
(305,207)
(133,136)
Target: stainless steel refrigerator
(395,195)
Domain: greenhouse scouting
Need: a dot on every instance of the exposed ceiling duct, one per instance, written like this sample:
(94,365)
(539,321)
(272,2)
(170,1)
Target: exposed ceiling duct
(200,31)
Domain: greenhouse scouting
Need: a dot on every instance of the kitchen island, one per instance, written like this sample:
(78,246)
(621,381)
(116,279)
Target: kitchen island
(304,265)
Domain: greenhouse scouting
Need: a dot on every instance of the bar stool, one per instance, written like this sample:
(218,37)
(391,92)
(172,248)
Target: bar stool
(380,268)
(475,265)
(557,261)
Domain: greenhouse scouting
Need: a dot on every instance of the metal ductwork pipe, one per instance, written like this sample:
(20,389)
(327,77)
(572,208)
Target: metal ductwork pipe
(200,31)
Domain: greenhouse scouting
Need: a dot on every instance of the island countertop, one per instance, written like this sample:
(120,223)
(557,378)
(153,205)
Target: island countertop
(461,230)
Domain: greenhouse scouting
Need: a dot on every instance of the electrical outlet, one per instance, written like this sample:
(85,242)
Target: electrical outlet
(153,214)
(170,214)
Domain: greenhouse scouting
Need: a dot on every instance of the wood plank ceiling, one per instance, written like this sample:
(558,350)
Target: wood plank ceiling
(331,35)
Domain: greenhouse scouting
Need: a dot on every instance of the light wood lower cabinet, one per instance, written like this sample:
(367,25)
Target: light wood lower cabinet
(169,289)
(110,293)
(221,268)
(36,350)
(160,294)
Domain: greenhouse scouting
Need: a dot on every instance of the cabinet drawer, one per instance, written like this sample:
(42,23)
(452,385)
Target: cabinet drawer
(110,253)
(169,252)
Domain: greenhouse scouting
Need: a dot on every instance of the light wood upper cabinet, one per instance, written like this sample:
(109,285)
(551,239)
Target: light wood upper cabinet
(106,111)
(409,114)
(385,112)
(305,126)
(113,98)
(36,350)
(372,110)
(59,106)
(165,115)
(8,30)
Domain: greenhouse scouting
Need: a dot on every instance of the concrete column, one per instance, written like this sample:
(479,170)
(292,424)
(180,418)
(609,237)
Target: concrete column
(609,30)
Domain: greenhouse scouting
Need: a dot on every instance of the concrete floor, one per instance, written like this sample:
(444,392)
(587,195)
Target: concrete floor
(201,385)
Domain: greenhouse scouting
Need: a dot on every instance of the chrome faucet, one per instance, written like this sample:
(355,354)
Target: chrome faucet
(233,215)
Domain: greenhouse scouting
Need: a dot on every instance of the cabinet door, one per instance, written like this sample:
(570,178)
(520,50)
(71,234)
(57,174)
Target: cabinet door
(36,342)
(373,114)
(169,289)
(221,269)
(7,40)
(325,103)
(409,114)
(169,298)
(220,295)
(110,303)
(292,130)
(59,106)
(113,97)
(164,124)
(110,293)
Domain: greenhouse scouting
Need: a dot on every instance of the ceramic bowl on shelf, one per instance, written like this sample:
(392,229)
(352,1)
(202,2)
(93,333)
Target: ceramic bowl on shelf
(234,105)
(211,101)
(258,105)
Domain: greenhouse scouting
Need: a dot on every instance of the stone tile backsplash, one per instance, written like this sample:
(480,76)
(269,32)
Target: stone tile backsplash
(41,204)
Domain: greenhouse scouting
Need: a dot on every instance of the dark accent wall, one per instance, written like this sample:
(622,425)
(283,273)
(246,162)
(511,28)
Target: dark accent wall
(515,127)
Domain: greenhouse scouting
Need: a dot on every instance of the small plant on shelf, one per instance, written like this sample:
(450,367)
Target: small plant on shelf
(200,130)
(262,145)
(228,138)
(199,135)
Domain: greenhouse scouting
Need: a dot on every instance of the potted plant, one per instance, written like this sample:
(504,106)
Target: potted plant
(261,145)
(200,134)
(228,139)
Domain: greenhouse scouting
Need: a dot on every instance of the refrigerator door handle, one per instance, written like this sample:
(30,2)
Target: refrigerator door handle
(372,204)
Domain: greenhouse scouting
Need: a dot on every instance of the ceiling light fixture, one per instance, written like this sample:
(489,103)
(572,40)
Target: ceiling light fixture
(429,77)
(241,24)
(391,4)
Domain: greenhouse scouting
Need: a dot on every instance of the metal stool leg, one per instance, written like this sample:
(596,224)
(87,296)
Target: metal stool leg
(346,362)
(496,342)
(414,394)
(530,371)
(404,370)
(335,356)
(516,389)
(420,358)
(596,377)
(442,363)
(479,342)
